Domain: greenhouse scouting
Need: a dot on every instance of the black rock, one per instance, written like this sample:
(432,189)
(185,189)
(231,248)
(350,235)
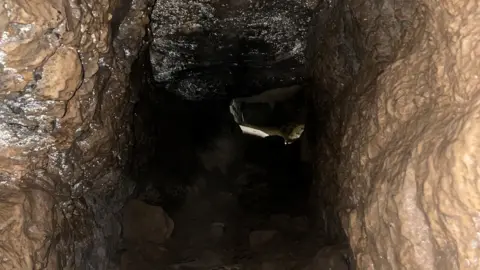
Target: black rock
(204,49)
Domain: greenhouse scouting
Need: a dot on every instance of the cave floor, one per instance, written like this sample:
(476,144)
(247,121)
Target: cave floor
(213,231)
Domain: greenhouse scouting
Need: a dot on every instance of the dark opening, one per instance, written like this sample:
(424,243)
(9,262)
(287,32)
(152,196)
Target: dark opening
(236,199)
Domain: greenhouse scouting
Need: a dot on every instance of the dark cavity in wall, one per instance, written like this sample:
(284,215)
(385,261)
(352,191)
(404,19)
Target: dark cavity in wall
(168,131)
(198,60)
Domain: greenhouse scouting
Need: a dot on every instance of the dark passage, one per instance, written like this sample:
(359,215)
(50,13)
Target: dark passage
(221,165)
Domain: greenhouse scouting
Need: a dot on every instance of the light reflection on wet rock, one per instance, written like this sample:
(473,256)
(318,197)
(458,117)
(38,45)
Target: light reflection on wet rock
(238,48)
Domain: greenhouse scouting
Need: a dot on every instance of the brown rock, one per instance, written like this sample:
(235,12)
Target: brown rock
(146,223)
(132,261)
(397,153)
(61,76)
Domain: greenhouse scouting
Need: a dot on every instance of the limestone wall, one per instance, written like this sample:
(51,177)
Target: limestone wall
(397,90)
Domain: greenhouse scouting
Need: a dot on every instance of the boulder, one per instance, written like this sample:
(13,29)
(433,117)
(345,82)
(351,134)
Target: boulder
(146,223)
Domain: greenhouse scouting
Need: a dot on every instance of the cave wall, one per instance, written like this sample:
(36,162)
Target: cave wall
(65,112)
(396,89)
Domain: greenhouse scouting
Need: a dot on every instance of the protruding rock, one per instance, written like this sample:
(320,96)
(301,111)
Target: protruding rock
(61,76)
(146,223)
(221,155)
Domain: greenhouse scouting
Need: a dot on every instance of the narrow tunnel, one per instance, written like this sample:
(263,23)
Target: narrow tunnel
(219,134)
(217,149)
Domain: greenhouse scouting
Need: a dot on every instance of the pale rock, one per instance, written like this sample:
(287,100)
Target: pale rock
(61,76)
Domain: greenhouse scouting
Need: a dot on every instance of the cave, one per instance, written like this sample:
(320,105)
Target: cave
(219,134)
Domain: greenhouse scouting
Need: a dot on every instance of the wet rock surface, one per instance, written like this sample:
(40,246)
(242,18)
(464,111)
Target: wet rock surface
(215,48)
(64,131)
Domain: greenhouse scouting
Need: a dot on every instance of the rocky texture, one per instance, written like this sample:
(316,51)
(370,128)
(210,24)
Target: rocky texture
(224,150)
(219,48)
(396,92)
(64,130)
